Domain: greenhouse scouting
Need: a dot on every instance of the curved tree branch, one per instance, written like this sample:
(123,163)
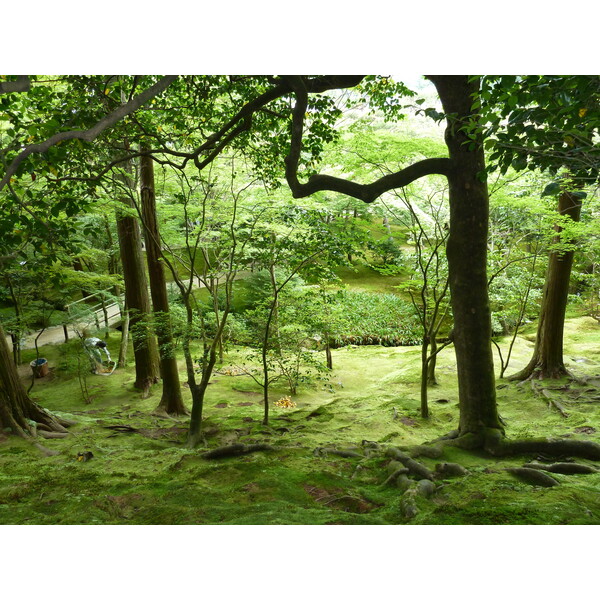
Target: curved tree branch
(242,121)
(365,192)
(92,133)
(369,192)
(22,84)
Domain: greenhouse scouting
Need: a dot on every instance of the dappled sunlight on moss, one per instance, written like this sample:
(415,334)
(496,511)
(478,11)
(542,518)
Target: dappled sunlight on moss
(142,472)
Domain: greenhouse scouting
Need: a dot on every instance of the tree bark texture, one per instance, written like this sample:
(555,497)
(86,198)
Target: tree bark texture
(171,401)
(16,407)
(467,260)
(137,299)
(547,361)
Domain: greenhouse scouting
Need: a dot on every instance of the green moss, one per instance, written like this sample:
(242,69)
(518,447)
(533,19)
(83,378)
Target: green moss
(149,476)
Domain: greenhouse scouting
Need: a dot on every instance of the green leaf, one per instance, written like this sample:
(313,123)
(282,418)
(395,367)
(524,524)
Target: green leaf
(579,195)
(552,189)
(519,163)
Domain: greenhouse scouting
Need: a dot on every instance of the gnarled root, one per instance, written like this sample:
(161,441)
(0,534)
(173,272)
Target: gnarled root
(51,434)
(494,442)
(416,468)
(567,468)
(496,445)
(533,476)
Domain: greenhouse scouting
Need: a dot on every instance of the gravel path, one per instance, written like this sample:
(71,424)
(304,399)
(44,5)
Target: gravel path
(56,335)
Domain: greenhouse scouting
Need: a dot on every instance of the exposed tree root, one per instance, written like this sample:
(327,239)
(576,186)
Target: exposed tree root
(416,468)
(46,451)
(426,450)
(533,476)
(537,370)
(161,413)
(451,435)
(551,401)
(559,407)
(493,442)
(394,475)
(51,434)
(408,503)
(563,468)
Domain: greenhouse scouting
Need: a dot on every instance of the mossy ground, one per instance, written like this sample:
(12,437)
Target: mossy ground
(147,475)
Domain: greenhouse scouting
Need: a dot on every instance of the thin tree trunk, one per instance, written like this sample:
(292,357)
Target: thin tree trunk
(424,363)
(122,362)
(171,401)
(265,347)
(328,353)
(432,361)
(547,360)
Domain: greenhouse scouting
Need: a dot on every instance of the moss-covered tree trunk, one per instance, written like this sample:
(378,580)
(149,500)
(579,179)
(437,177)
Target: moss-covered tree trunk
(171,401)
(136,296)
(467,260)
(16,407)
(547,360)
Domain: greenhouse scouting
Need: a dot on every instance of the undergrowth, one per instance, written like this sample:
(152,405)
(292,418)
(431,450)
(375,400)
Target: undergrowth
(141,471)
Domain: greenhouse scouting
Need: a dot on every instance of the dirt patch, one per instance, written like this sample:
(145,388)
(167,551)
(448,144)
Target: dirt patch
(408,421)
(25,375)
(221,405)
(585,429)
(245,404)
(121,507)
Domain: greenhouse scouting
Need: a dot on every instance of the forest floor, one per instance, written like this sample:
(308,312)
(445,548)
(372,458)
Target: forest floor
(141,471)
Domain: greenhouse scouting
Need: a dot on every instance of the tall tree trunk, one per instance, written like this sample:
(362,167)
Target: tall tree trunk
(467,257)
(171,401)
(547,360)
(113,260)
(136,297)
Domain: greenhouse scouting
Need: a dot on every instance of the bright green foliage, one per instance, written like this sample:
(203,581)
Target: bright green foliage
(369,318)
